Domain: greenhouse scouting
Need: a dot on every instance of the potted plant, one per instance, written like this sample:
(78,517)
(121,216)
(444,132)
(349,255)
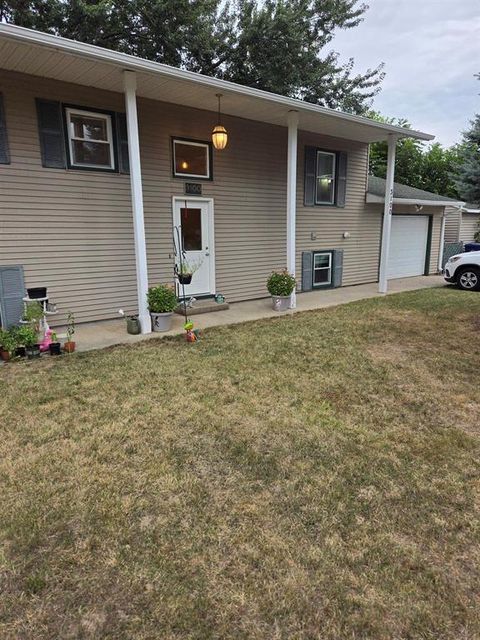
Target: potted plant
(54,346)
(133,323)
(185,271)
(161,304)
(32,314)
(69,345)
(280,286)
(29,340)
(21,335)
(8,344)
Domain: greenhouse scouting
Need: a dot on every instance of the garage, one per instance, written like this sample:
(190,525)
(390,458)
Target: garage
(408,246)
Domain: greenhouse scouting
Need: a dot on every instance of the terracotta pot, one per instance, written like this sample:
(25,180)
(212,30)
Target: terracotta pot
(69,347)
(5,356)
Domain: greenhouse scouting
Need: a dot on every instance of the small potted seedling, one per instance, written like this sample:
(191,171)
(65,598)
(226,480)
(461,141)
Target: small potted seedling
(8,344)
(69,345)
(161,304)
(133,323)
(54,347)
(185,271)
(280,286)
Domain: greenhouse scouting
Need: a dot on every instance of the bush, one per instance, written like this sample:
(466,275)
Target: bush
(25,336)
(161,299)
(8,340)
(281,283)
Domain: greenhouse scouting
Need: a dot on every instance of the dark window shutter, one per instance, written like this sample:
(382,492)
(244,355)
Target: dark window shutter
(310,176)
(12,290)
(50,131)
(122,143)
(4,152)
(341,179)
(337,271)
(307,270)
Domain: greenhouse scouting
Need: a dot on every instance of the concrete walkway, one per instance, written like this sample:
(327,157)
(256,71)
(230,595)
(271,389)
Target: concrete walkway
(97,335)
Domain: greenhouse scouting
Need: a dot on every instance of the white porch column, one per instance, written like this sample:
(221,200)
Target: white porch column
(130,86)
(387,214)
(292,196)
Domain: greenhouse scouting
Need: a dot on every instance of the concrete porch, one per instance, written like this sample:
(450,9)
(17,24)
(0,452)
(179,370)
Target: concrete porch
(98,335)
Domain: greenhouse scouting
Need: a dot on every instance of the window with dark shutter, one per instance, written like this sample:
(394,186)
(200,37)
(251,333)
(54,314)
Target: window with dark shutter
(51,134)
(4,150)
(325,177)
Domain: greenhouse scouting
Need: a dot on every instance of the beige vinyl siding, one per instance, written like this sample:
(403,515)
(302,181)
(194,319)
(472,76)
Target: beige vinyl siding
(452,224)
(328,223)
(72,230)
(469,225)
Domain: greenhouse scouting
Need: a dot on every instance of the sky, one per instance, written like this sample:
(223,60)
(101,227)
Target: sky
(431,50)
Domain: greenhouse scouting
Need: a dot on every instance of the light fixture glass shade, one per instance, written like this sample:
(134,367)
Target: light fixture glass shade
(219,137)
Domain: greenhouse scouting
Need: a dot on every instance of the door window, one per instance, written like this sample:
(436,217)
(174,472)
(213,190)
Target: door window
(191,224)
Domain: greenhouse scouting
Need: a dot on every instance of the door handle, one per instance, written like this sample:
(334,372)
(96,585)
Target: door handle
(207,253)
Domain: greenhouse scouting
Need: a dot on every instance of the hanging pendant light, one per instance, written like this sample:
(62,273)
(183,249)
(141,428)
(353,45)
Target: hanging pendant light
(219,133)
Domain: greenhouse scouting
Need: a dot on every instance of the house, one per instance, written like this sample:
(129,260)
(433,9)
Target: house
(462,224)
(103,155)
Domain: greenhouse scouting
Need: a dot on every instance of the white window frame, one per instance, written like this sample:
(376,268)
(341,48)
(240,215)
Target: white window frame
(191,143)
(90,114)
(329,268)
(334,177)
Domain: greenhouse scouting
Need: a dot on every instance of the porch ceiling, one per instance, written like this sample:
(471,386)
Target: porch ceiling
(27,51)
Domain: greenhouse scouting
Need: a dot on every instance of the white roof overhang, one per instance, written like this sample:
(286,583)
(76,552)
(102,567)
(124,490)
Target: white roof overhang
(27,51)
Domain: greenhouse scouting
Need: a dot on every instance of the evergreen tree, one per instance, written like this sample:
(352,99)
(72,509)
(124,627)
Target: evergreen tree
(467,176)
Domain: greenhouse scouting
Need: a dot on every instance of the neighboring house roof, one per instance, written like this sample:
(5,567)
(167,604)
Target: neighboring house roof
(27,51)
(469,207)
(405,194)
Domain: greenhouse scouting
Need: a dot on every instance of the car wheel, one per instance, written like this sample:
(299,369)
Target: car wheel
(468,279)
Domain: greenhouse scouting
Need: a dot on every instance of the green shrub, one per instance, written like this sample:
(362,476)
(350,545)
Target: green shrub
(161,299)
(281,283)
(8,340)
(25,336)
(33,312)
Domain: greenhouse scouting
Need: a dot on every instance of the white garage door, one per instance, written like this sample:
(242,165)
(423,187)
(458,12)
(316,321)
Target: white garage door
(408,246)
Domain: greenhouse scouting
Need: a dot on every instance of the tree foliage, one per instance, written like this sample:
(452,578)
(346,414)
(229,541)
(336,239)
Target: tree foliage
(467,175)
(425,167)
(275,45)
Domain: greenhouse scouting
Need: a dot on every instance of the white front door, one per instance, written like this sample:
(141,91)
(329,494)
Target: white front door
(194,220)
(408,246)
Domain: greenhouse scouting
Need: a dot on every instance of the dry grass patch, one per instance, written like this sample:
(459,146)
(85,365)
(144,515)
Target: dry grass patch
(314,476)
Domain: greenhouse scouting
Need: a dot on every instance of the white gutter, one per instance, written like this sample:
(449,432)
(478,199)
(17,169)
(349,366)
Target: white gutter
(374,199)
(128,62)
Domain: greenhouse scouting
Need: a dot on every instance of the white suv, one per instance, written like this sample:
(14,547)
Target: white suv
(464,270)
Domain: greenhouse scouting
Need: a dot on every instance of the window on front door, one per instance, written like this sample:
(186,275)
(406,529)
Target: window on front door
(191,225)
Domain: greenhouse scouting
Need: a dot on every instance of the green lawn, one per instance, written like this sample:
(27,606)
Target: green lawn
(310,477)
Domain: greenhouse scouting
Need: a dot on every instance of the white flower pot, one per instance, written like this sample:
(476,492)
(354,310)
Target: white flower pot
(281,303)
(161,321)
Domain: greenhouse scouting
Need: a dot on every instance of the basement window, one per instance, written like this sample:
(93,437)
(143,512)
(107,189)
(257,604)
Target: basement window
(322,269)
(90,139)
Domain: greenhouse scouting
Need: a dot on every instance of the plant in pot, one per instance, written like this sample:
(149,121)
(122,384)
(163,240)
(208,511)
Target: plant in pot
(54,347)
(161,304)
(280,286)
(69,345)
(32,314)
(8,344)
(29,339)
(185,271)
(21,335)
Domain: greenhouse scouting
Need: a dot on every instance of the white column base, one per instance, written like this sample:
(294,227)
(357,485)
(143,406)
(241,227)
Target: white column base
(293,300)
(145,323)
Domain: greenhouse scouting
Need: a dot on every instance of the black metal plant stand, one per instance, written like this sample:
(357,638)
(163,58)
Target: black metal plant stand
(180,255)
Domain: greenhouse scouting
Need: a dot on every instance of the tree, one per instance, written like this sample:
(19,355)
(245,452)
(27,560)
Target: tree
(429,168)
(275,45)
(467,176)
